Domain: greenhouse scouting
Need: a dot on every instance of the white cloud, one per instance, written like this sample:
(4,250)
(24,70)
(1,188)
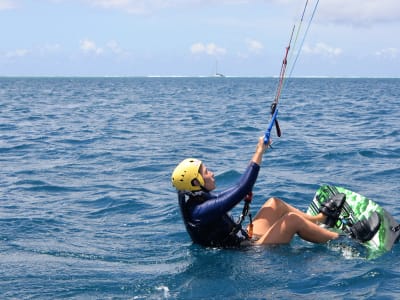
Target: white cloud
(17,53)
(111,47)
(7,4)
(43,50)
(388,53)
(344,12)
(197,48)
(134,7)
(209,49)
(254,45)
(148,6)
(50,48)
(89,46)
(359,12)
(114,47)
(322,49)
(140,6)
(337,11)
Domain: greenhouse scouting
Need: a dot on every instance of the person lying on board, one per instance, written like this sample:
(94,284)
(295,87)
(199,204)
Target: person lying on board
(206,213)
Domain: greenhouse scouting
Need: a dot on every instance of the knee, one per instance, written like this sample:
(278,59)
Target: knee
(273,202)
(292,217)
(293,220)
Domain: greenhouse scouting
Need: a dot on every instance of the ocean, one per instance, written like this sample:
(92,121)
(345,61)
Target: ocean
(87,210)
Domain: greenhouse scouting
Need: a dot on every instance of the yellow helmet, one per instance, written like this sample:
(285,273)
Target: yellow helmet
(184,174)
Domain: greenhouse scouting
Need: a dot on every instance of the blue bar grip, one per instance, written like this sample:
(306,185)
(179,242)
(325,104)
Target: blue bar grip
(270,125)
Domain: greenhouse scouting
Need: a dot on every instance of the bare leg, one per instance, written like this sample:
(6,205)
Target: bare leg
(283,230)
(277,222)
(273,210)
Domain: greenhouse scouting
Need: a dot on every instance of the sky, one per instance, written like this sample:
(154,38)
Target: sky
(347,38)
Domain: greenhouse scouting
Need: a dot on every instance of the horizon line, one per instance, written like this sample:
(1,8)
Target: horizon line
(200,76)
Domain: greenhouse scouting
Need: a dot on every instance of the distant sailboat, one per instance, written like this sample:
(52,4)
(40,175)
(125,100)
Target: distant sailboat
(217,74)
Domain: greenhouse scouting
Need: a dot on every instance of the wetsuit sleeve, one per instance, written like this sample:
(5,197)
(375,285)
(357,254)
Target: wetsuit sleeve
(219,204)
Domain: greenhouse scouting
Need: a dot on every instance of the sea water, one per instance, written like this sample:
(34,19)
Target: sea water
(87,210)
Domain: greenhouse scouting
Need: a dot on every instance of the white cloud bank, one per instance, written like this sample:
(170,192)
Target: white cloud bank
(322,49)
(7,4)
(89,46)
(254,46)
(390,53)
(17,53)
(209,49)
(148,6)
(356,12)
(345,12)
(359,12)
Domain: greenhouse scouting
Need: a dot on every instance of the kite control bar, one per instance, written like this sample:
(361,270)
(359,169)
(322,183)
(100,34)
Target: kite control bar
(273,121)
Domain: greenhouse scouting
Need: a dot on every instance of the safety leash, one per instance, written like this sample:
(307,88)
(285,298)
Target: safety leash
(247,201)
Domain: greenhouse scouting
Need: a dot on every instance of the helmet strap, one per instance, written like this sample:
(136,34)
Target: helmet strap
(195,182)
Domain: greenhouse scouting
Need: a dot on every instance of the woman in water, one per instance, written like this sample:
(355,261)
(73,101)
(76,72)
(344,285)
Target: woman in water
(208,223)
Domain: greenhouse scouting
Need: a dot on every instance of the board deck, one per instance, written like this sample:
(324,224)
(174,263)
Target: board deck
(356,208)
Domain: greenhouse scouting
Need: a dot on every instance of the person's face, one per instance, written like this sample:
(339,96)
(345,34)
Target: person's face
(208,176)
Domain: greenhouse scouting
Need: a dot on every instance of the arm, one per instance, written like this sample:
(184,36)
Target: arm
(219,204)
(223,202)
(235,194)
(260,149)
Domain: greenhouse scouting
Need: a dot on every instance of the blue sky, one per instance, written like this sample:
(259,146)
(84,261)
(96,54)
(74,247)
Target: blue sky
(188,37)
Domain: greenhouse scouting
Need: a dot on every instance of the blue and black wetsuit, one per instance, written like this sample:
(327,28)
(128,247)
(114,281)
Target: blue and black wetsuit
(206,214)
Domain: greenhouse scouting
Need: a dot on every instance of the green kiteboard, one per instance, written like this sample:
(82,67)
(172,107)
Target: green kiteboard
(355,208)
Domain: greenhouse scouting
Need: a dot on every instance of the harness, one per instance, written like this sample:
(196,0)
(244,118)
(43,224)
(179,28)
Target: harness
(246,212)
(231,239)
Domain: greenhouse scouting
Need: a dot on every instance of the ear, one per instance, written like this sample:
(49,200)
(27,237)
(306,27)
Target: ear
(195,182)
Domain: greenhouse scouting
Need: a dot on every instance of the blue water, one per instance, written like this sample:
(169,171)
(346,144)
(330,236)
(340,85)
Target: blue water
(87,210)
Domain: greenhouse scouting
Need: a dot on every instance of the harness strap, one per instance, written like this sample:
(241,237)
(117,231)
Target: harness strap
(245,212)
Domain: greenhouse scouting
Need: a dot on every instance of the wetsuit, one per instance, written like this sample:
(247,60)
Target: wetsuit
(206,214)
